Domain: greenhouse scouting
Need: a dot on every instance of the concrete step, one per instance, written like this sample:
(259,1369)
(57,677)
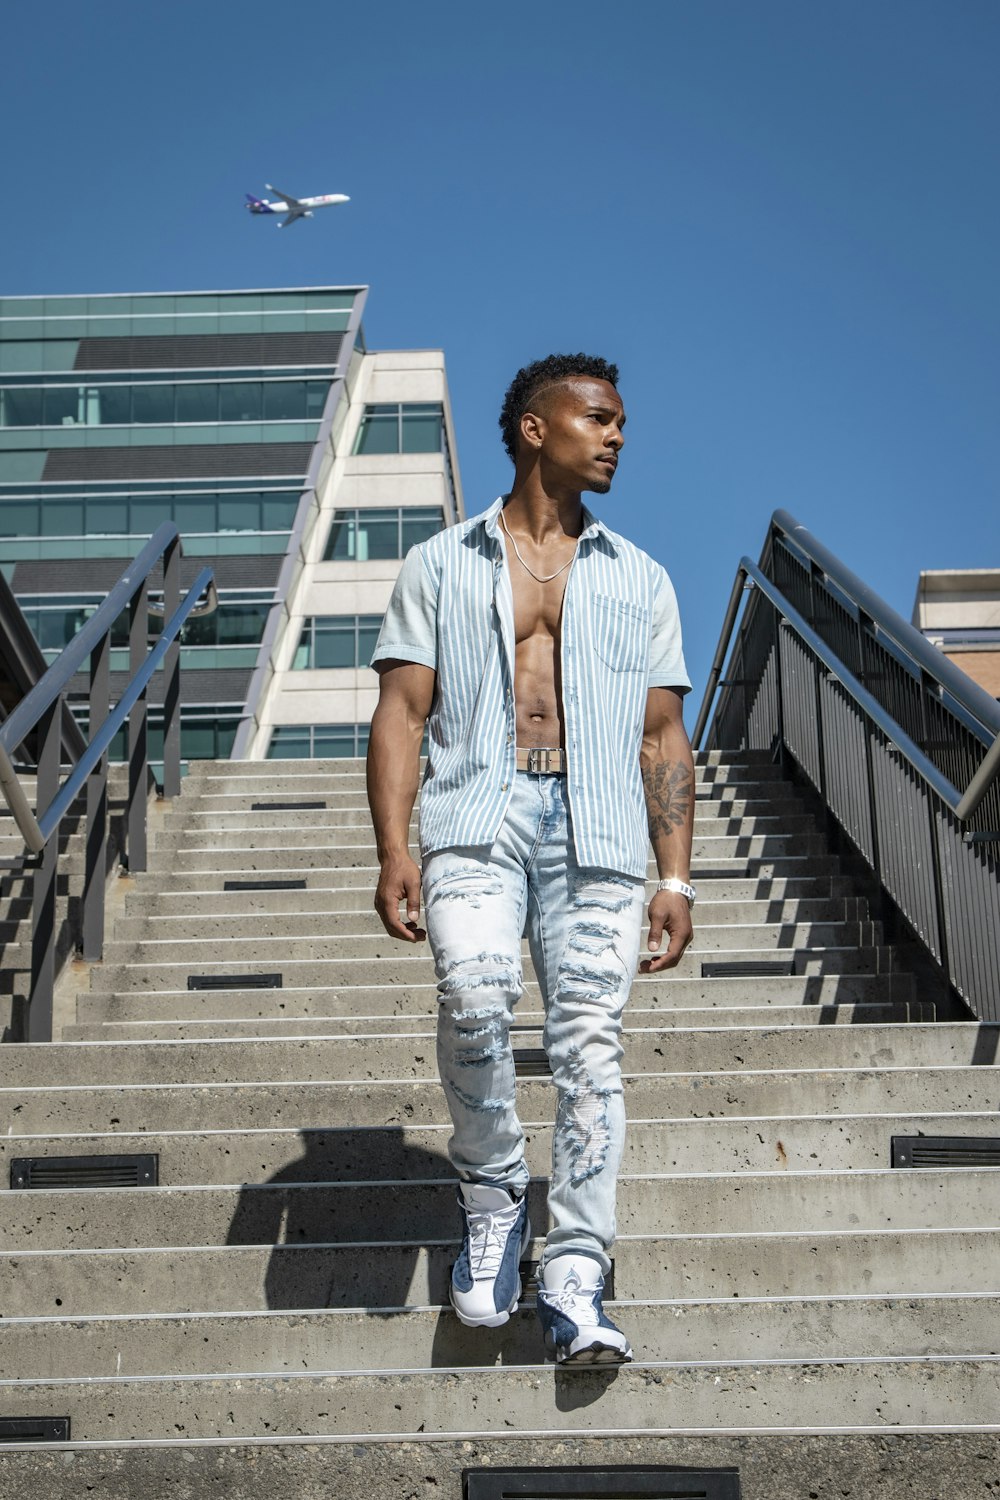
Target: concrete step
(299,938)
(730,1267)
(170,891)
(805,1143)
(863,1327)
(528,1034)
(692,1203)
(915,1394)
(716,842)
(226,1105)
(234,829)
(295,959)
(707,863)
(366,1008)
(701,1050)
(766,799)
(717,927)
(352,910)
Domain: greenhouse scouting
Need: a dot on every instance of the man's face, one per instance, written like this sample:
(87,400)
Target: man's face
(580,423)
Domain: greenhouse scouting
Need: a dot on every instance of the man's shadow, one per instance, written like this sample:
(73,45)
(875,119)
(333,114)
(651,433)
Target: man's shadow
(367,1219)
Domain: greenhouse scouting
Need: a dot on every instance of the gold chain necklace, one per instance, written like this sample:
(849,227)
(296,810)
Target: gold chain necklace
(524,565)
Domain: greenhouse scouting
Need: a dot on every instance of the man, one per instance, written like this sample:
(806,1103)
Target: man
(546,651)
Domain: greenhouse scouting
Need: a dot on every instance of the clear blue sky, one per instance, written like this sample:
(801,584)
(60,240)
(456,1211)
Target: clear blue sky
(780,217)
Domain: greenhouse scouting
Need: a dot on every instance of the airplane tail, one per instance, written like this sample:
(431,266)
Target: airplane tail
(257,205)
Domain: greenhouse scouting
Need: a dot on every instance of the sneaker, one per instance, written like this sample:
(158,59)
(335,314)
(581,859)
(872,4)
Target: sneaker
(486,1277)
(577,1331)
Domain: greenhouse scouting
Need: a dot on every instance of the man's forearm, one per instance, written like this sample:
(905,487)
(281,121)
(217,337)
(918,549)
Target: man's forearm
(393,774)
(668,783)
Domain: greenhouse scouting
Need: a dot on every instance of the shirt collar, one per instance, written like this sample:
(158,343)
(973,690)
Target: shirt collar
(592,527)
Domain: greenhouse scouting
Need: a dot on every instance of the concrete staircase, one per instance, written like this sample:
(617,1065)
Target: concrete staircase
(282,1287)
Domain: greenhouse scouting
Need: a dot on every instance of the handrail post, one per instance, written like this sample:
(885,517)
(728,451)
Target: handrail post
(171,675)
(97,809)
(43,894)
(138,636)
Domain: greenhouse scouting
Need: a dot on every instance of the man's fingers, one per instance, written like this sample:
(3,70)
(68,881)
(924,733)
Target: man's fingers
(399,887)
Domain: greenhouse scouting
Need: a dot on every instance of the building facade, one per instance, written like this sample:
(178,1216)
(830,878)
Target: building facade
(958,609)
(296,463)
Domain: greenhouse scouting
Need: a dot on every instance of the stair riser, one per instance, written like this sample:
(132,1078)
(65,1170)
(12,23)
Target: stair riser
(171,893)
(369,1007)
(356,938)
(524,1400)
(316,1155)
(273,1106)
(715,840)
(350,912)
(840,1015)
(867,1328)
(259,1278)
(777,1202)
(712,1050)
(299,938)
(172,969)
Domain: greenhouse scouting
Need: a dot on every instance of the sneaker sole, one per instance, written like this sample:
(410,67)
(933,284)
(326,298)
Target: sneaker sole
(595,1354)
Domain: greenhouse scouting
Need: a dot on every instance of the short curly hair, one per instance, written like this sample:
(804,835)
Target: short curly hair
(529,381)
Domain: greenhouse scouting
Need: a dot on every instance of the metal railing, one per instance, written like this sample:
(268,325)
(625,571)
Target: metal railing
(902,747)
(40,715)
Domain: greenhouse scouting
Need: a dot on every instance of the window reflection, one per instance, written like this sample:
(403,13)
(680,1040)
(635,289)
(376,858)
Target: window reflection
(368,535)
(156,404)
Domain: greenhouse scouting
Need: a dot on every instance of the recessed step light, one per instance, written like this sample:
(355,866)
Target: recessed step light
(41,1173)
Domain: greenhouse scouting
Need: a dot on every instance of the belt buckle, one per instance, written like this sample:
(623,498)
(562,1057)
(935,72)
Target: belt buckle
(539,766)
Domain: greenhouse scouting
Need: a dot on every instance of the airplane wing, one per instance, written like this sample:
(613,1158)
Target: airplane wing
(296,213)
(290,201)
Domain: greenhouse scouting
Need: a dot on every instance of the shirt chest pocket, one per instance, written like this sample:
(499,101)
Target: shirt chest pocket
(621,633)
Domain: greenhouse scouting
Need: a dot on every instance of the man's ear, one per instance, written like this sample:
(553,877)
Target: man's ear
(532,430)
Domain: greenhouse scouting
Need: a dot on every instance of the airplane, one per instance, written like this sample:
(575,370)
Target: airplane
(295,208)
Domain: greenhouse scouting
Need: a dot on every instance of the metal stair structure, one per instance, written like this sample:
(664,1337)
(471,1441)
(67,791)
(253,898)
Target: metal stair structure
(275,1307)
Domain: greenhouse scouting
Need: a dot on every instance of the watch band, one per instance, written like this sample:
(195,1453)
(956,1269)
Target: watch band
(681,887)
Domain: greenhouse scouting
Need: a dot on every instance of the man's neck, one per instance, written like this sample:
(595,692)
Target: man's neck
(532,511)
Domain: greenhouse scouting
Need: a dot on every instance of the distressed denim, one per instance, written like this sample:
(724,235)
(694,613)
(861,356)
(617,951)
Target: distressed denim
(583,929)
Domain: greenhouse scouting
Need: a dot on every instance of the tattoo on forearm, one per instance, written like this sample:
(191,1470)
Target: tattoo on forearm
(668,786)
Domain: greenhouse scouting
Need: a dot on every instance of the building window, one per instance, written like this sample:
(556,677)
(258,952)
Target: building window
(56,618)
(318,741)
(150,404)
(402,427)
(367,535)
(139,515)
(337,641)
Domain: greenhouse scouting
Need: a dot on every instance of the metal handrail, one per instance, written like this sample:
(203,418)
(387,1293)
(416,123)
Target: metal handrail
(901,741)
(983,710)
(37,831)
(41,712)
(927,658)
(838,687)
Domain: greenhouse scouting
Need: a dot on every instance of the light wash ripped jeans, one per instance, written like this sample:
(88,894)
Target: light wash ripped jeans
(583,928)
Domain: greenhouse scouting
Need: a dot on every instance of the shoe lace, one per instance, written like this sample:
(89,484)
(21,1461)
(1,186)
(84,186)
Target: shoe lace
(575,1301)
(488,1234)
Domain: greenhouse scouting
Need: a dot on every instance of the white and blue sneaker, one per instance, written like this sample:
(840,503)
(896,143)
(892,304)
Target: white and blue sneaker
(577,1330)
(486,1277)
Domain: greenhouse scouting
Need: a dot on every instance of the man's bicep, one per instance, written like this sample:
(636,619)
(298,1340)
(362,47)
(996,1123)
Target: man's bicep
(406,686)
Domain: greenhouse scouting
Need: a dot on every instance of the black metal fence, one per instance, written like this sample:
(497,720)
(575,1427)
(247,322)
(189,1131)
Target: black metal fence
(39,719)
(902,747)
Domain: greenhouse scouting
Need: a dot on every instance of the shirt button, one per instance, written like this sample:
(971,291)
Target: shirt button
(504,787)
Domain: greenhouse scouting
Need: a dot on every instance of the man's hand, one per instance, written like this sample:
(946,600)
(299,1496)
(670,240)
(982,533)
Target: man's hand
(668,912)
(400,881)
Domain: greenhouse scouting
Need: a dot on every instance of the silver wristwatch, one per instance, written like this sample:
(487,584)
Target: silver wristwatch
(681,887)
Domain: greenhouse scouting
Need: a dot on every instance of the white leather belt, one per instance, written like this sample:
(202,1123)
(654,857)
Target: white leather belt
(542,762)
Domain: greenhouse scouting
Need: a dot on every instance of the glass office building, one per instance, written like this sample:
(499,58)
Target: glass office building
(296,463)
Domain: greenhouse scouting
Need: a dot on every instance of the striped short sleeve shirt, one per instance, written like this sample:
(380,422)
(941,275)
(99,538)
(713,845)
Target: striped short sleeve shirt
(452,609)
